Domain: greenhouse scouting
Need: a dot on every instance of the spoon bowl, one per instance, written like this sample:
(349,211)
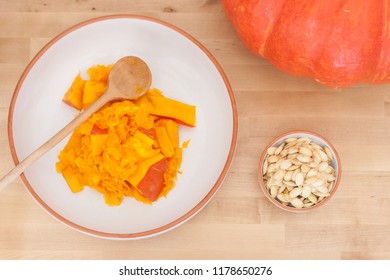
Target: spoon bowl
(129,78)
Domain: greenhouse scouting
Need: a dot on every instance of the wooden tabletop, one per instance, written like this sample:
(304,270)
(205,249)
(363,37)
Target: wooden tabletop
(239,222)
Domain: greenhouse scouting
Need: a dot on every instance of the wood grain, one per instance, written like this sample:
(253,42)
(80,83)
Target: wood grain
(238,223)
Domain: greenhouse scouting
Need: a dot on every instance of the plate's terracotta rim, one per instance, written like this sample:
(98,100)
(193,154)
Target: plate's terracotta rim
(268,195)
(172,224)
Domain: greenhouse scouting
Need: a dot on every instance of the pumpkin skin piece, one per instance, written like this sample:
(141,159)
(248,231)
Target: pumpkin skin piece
(338,43)
(153,183)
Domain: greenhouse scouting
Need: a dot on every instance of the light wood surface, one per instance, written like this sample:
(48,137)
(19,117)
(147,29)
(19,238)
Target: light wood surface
(238,223)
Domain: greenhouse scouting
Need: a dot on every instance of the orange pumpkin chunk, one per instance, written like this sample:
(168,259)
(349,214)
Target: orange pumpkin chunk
(74,95)
(178,111)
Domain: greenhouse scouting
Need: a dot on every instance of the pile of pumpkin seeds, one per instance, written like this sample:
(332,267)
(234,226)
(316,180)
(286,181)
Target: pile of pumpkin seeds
(298,172)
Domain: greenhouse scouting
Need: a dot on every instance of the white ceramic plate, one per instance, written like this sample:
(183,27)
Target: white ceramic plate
(181,67)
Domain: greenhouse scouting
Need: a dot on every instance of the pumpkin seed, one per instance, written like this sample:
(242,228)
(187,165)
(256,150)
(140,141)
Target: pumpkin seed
(279,149)
(329,170)
(317,183)
(273,159)
(281,197)
(265,167)
(322,189)
(304,139)
(283,153)
(330,178)
(296,171)
(271,151)
(277,182)
(291,139)
(290,183)
(315,146)
(303,158)
(321,194)
(271,168)
(293,167)
(310,180)
(285,164)
(282,188)
(296,202)
(323,155)
(299,179)
(288,176)
(306,191)
(305,168)
(273,191)
(292,156)
(312,173)
(292,150)
(305,151)
(290,144)
(323,166)
(317,157)
(328,153)
(312,198)
(296,162)
(278,162)
(279,174)
(295,192)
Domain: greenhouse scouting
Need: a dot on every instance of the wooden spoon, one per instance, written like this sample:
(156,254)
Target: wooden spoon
(129,78)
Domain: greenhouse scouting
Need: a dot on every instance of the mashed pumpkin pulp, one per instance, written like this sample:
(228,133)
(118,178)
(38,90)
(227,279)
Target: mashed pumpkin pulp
(127,148)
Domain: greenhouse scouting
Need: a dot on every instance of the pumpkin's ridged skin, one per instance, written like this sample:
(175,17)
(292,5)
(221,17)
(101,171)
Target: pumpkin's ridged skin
(338,43)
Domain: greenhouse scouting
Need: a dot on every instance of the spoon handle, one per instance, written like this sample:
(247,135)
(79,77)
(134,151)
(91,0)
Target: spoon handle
(49,144)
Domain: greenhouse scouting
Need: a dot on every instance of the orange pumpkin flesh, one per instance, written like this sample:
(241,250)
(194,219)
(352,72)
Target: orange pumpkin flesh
(338,44)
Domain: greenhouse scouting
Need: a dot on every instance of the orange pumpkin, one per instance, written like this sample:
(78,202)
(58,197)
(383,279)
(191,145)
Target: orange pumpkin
(338,43)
